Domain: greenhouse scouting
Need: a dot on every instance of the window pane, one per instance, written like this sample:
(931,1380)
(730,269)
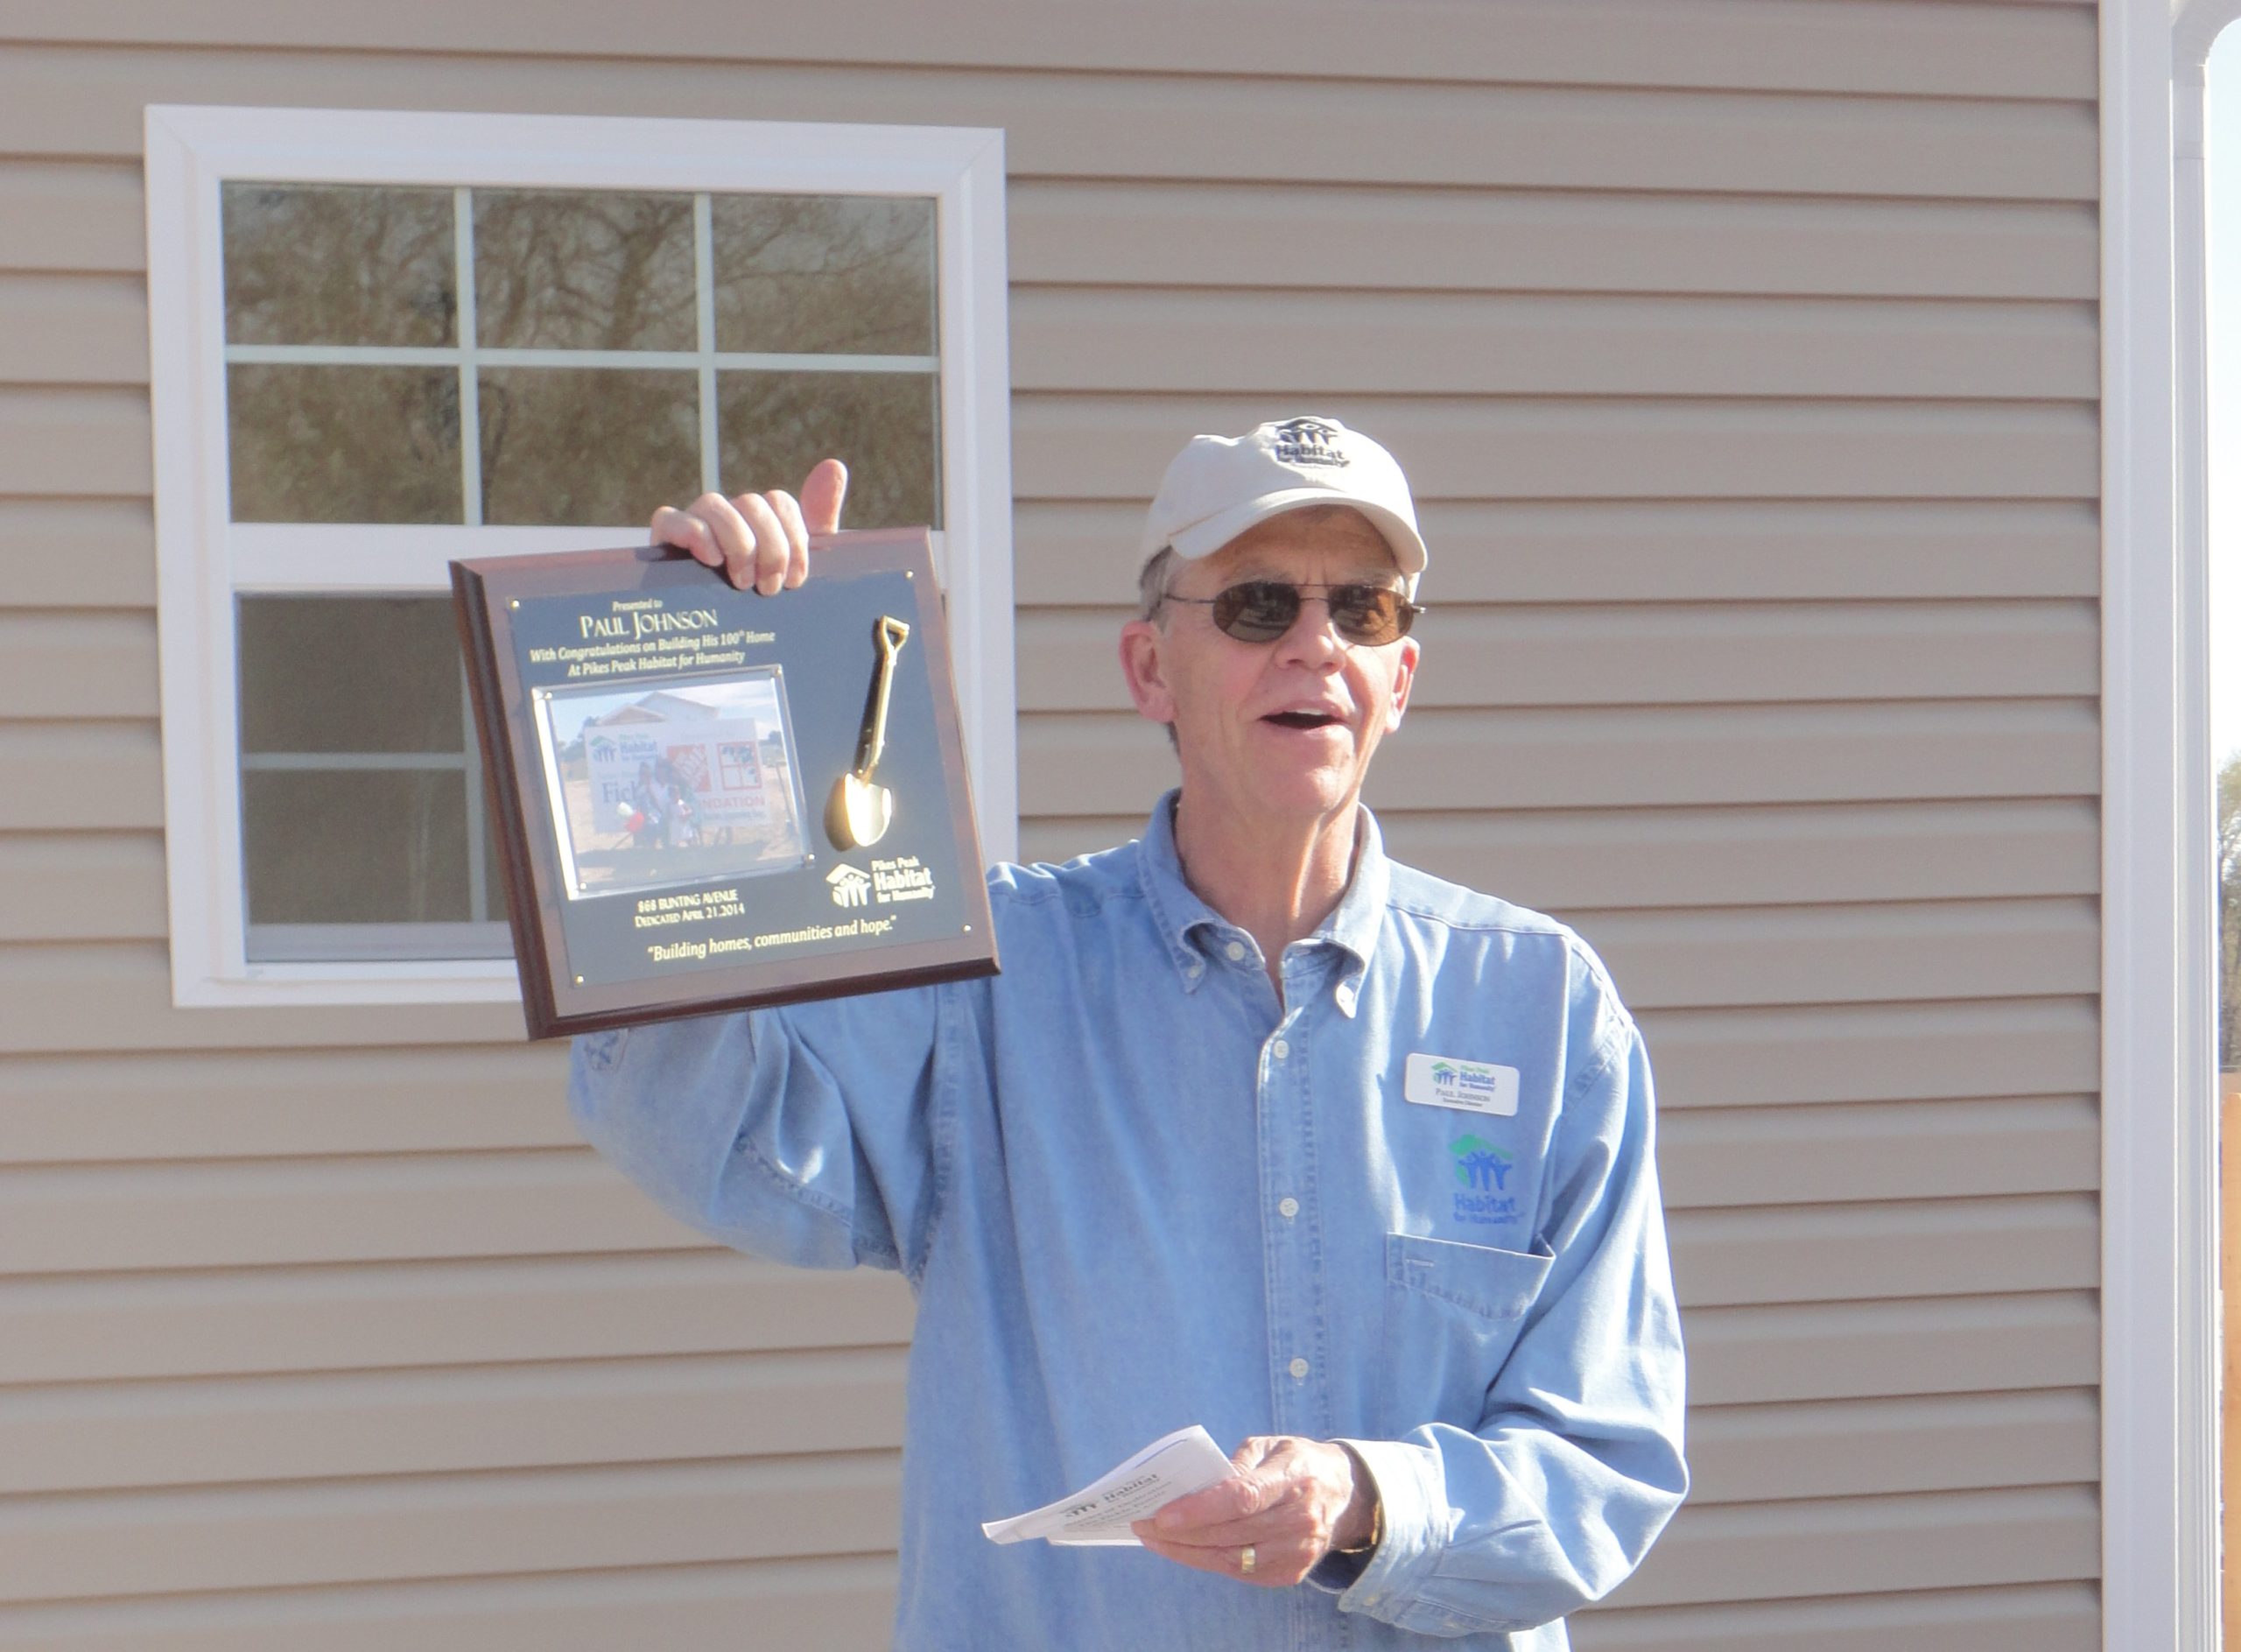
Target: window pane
(882,425)
(307,664)
(338,263)
(852,275)
(587,447)
(583,270)
(354,846)
(343,444)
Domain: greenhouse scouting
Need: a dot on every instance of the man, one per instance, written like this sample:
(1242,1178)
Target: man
(1257,1129)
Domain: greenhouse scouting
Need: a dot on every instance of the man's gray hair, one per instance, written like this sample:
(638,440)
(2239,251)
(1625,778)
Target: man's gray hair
(1155,580)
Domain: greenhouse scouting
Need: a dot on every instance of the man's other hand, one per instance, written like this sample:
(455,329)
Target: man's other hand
(1291,1501)
(759,539)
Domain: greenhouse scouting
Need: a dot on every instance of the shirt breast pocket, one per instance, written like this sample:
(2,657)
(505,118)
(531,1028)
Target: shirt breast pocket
(1452,1312)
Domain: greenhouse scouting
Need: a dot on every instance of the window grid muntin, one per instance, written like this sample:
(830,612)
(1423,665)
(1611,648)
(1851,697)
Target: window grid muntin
(470,376)
(358,762)
(704,317)
(711,360)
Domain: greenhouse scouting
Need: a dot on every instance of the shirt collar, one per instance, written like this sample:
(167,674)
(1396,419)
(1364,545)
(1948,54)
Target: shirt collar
(1176,907)
(1358,919)
(1354,924)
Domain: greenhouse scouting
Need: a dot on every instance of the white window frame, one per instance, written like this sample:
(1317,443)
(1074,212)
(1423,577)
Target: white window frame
(205,560)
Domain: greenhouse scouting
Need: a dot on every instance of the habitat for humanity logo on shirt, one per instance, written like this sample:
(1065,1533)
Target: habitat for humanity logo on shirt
(1483,1169)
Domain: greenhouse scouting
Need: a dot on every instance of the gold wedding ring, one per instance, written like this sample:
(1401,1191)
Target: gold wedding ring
(1245,1560)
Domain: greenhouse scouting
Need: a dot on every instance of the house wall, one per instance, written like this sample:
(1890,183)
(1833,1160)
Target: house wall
(1744,355)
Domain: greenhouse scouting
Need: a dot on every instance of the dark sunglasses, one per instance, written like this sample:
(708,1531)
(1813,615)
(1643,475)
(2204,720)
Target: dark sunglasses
(1262,611)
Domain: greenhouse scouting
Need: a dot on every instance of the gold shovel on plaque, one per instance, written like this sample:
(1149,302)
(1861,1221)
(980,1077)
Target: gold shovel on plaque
(858,812)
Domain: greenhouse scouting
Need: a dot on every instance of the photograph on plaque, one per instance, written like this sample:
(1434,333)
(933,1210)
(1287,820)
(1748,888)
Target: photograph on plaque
(707,798)
(652,788)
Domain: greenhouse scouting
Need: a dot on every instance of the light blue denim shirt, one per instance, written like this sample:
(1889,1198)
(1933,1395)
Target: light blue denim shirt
(1412,1204)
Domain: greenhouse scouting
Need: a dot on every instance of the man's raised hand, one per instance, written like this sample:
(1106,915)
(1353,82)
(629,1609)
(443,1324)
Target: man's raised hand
(758,540)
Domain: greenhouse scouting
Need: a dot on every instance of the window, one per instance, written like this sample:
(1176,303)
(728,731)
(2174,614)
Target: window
(384,341)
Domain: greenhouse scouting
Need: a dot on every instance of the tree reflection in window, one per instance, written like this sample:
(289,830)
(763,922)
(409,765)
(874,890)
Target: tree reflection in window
(824,274)
(339,264)
(583,270)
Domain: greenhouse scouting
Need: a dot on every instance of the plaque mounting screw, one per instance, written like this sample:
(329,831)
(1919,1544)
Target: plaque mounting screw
(514,602)
(968,929)
(580,980)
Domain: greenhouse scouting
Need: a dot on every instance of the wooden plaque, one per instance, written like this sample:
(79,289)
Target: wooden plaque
(707,799)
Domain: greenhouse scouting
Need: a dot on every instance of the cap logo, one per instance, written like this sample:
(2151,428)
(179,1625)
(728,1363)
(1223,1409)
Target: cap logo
(1309,441)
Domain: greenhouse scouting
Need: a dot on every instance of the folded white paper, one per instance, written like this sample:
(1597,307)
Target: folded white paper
(1171,1466)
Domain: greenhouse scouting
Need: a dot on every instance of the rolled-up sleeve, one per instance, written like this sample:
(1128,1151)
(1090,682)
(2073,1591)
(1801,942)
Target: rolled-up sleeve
(1577,1464)
(807,1136)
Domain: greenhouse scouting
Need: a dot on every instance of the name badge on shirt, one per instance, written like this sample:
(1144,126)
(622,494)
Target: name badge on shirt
(1473,1086)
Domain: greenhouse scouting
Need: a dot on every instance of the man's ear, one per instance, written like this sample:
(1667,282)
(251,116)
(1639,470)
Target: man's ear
(1404,678)
(1144,667)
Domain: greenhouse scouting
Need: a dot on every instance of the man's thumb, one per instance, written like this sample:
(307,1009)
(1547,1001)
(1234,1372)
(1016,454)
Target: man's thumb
(822,495)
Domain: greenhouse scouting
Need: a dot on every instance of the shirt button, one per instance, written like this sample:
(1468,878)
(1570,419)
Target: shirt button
(1236,951)
(1288,1208)
(1299,1368)
(1280,1049)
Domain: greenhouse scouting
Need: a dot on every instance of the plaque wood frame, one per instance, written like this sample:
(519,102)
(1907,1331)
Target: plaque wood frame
(583,965)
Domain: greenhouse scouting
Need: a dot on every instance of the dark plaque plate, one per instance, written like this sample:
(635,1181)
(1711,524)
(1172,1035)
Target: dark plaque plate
(708,799)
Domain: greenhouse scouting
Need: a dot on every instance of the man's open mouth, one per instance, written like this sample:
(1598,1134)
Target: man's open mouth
(1301,719)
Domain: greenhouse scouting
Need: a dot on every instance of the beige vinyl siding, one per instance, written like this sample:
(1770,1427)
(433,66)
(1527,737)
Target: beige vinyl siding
(1745,356)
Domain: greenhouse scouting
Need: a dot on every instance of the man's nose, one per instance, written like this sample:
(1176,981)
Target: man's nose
(1313,636)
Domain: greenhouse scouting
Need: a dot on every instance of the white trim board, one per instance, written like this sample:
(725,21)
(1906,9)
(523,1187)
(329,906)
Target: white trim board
(2159,1312)
(203,558)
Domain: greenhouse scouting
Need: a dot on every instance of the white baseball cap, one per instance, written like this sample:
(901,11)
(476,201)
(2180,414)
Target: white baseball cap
(1219,486)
